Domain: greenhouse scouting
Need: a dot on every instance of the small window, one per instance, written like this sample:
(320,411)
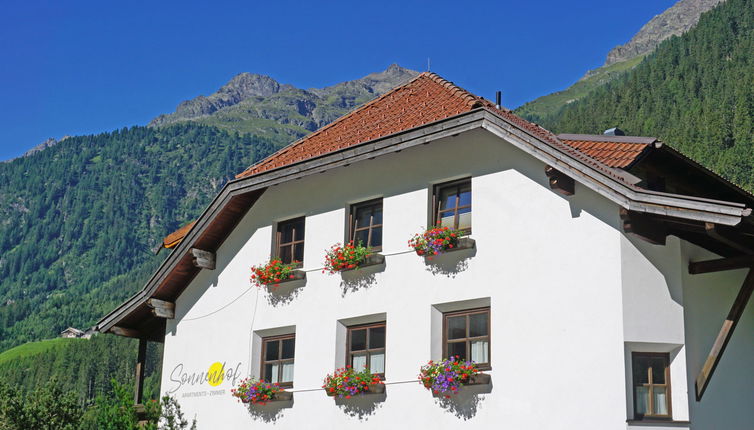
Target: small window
(651,378)
(290,241)
(452,205)
(467,335)
(277,359)
(366,348)
(366,224)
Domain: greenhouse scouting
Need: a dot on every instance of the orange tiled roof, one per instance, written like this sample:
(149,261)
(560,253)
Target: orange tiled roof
(613,151)
(177,236)
(424,99)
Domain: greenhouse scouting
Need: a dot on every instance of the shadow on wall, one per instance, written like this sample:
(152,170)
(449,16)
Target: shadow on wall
(270,412)
(449,264)
(465,404)
(284,293)
(355,280)
(362,406)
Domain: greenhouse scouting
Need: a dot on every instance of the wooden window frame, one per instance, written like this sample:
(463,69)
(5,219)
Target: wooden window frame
(368,351)
(435,211)
(294,243)
(280,361)
(468,339)
(650,386)
(352,229)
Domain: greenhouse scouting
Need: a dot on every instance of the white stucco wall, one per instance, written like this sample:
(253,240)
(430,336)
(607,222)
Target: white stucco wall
(550,267)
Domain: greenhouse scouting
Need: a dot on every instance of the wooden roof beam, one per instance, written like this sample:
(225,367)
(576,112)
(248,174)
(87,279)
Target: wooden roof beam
(161,308)
(723,337)
(721,234)
(643,226)
(203,259)
(721,264)
(559,182)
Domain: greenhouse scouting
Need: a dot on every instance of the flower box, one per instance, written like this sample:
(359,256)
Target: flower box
(346,383)
(275,272)
(255,392)
(445,377)
(342,258)
(370,260)
(439,240)
(295,275)
(372,389)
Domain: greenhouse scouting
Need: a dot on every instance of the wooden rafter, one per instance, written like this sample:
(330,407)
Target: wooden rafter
(729,325)
(722,235)
(559,182)
(643,226)
(161,308)
(721,264)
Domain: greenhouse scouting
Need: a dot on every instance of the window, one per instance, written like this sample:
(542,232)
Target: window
(651,378)
(366,348)
(466,334)
(277,359)
(451,205)
(366,224)
(290,240)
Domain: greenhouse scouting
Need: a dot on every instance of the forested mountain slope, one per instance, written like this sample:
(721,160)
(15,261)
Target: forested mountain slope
(695,92)
(79,221)
(674,21)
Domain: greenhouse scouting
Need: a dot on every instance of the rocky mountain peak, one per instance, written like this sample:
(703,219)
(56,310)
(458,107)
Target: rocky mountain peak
(675,21)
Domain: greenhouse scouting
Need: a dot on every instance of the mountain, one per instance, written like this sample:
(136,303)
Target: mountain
(258,104)
(695,92)
(676,20)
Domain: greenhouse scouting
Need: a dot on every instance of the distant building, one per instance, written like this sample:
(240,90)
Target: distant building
(601,281)
(72,332)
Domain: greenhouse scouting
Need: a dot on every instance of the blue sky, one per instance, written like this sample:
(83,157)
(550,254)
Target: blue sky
(81,67)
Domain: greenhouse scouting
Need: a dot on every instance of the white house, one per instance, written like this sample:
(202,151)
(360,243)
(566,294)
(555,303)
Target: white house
(605,288)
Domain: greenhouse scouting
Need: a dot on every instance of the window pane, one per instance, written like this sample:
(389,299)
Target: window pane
(447,198)
(289,346)
(457,348)
(660,400)
(272,350)
(376,237)
(478,324)
(465,197)
(377,214)
(287,372)
(285,254)
(359,361)
(658,370)
(298,255)
(286,232)
(464,220)
(377,337)
(640,371)
(271,372)
(457,327)
(363,216)
(480,351)
(447,219)
(299,227)
(358,340)
(642,400)
(361,236)
(378,363)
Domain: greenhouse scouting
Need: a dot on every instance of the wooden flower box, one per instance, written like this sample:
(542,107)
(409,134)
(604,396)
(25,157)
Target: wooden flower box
(298,275)
(373,389)
(370,260)
(463,243)
(479,379)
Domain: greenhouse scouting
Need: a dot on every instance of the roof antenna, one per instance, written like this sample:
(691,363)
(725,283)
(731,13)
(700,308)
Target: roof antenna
(429,63)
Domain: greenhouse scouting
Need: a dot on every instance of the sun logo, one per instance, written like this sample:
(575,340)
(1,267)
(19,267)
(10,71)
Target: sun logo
(216,374)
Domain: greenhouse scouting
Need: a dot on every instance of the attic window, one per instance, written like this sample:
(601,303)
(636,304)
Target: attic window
(451,205)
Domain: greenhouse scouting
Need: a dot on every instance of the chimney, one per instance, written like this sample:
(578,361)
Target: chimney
(498,99)
(615,131)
